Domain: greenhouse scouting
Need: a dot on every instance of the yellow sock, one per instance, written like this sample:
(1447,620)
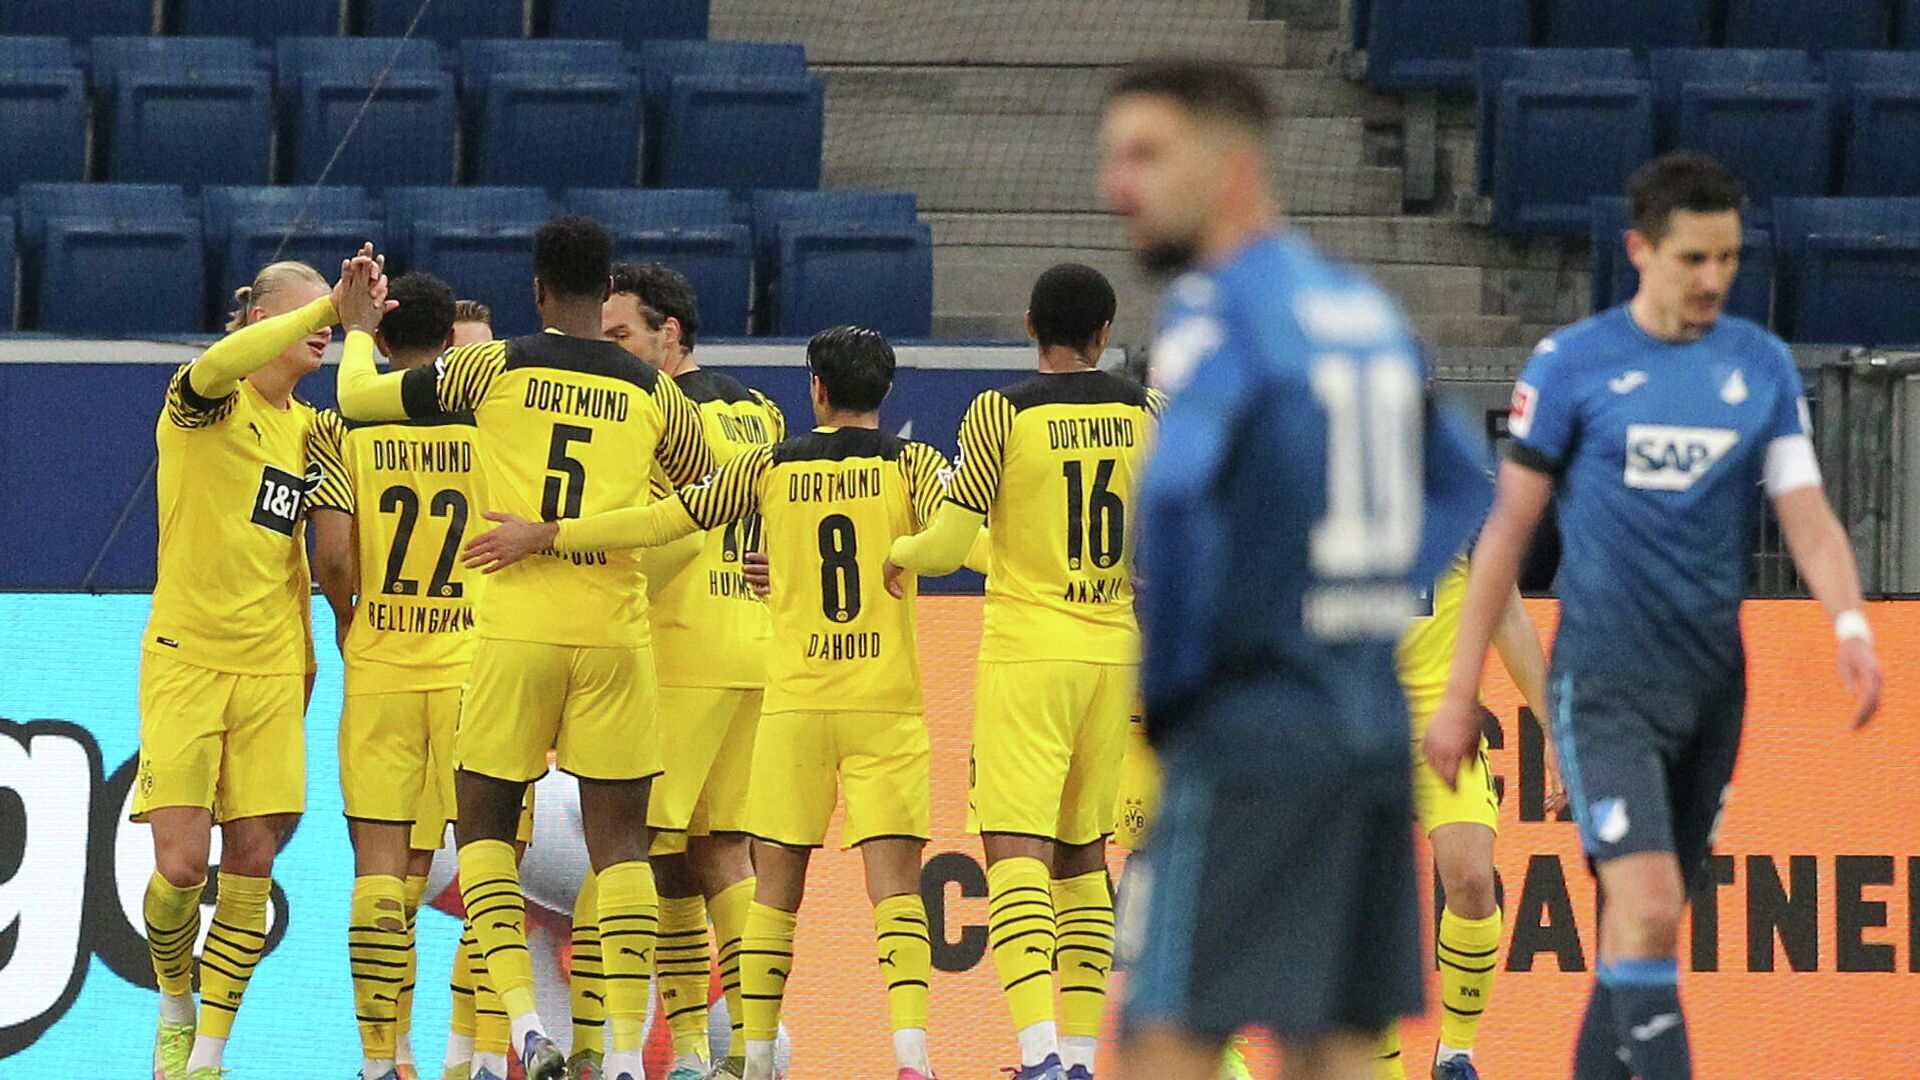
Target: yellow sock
(416,891)
(585,983)
(173,928)
(1083,953)
(1386,1055)
(1020,928)
(490,886)
(629,930)
(729,911)
(460,984)
(492,1028)
(234,944)
(376,956)
(681,968)
(1469,954)
(766,960)
(906,957)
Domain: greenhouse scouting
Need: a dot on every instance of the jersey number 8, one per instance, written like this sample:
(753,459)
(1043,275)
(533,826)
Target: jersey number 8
(839,569)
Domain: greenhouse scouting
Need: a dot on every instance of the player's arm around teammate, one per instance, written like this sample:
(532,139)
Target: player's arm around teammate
(227,651)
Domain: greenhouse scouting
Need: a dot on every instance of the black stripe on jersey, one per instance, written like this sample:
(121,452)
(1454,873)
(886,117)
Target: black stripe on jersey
(560,352)
(458,419)
(840,445)
(1528,458)
(703,385)
(1075,388)
(420,390)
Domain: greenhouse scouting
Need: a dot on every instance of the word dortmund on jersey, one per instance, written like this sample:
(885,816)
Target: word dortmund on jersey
(1051,462)
(233,590)
(832,502)
(415,491)
(710,628)
(567,426)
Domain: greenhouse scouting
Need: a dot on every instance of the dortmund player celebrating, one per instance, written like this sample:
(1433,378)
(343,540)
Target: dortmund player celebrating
(843,673)
(1051,463)
(228,654)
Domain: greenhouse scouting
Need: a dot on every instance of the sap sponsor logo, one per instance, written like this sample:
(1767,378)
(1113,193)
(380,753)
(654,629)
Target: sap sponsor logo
(1348,317)
(73,876)
(1664,457)
(1520,415)
(1179,349)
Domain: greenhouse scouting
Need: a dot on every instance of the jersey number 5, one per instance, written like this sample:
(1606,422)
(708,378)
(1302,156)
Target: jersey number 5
(839,569)
(560,498)
(1098,522)
(449,504)
(1372,524)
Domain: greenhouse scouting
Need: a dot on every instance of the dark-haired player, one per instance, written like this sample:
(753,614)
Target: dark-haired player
(843,709)
(1658,424)
(710,642)
(568,421)
(1050,462)
(1297,501)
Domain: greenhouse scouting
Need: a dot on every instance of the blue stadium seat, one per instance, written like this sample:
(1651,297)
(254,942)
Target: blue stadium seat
(262,20)
(629,21)
(1807,24)
(1565,125)
(1906,26)
(1877,102)
(446,23)
(8,296)
(186,111)
(138,243)
(43,105)
(774,214)
(556,113)
(876,274)
(1429,44)
(247,227)
(479,239)
(742,132)
(406,135)
(1629,24)
(1615,279)
(1765,114)
(692,231)
(78,19)
(662,63)
(1849,270)
(655,208)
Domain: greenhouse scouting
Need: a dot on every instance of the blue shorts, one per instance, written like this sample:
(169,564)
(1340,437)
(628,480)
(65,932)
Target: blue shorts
(1647,768)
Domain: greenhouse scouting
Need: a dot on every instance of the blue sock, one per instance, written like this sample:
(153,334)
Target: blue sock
(1646,1011)
(1597,1055)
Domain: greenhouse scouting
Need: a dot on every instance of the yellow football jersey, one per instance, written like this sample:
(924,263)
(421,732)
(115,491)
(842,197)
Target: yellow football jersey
(710,630)
(415,492)
(233,591)
(1425,653)
(567,427)
(831,504)
(1052,462)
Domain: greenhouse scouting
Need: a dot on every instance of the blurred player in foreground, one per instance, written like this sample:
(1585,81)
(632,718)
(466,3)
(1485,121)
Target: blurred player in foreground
(1658,424)
(1298,500)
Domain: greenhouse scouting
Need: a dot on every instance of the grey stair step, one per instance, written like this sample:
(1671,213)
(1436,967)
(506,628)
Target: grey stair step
(1006,31)
(1018,179)
(1475,329)
(1068,91)
(997,280)
(1439,290)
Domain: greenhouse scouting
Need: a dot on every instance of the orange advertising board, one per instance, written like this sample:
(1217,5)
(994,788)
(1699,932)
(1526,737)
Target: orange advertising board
(1802,960)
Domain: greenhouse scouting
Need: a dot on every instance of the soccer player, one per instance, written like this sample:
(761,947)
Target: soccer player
(1051,463)
(1297,500)
(1658,424)
(568,423)
(472,323)
(710,641)
(228,652)
(843,672)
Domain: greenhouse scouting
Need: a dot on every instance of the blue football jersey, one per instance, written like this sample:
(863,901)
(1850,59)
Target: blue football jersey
(1659,451)
(1298,497)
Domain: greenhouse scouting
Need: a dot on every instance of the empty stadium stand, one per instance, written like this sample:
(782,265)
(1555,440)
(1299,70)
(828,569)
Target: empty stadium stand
(1876,97)
(629,21)
(138,244)
(449,24)
(1429,44)
(77,19)
(790,228)
(696,232)
(550,113)
(1566,125)
(478,239)
(1628,24)
(43,105)
(1807,24)
(247,227)
(1848,270)
(1764,113)
(182,110)
(262,20)
(404,136)
(735,115)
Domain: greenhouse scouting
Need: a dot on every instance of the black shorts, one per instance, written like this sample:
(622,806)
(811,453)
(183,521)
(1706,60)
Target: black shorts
(1283,901)
(1647,768)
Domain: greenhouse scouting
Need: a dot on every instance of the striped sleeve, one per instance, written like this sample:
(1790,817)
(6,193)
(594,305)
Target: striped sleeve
(682,451)
(327,449)
(1156,403)
(983,450)
(777,420)
(730,493)
(927,480)
(186,408)
(460,379)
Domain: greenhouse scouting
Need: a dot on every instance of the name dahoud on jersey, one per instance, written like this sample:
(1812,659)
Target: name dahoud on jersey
(1665,457)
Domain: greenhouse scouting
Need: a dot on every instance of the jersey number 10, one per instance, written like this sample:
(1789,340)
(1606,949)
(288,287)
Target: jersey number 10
(1372,524)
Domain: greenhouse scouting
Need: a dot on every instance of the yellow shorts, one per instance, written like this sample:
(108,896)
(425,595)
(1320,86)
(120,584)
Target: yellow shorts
(803,760)
(233,744)
(1471,801)
(593,707)
(1139,797)
(1048,740)
(706,743)
(389,746)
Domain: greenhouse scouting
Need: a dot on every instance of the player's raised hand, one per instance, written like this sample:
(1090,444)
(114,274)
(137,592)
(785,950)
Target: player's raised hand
(894,576)
(758,572)
(512,539)
(1860,674)
(360,296)
(1452,736)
